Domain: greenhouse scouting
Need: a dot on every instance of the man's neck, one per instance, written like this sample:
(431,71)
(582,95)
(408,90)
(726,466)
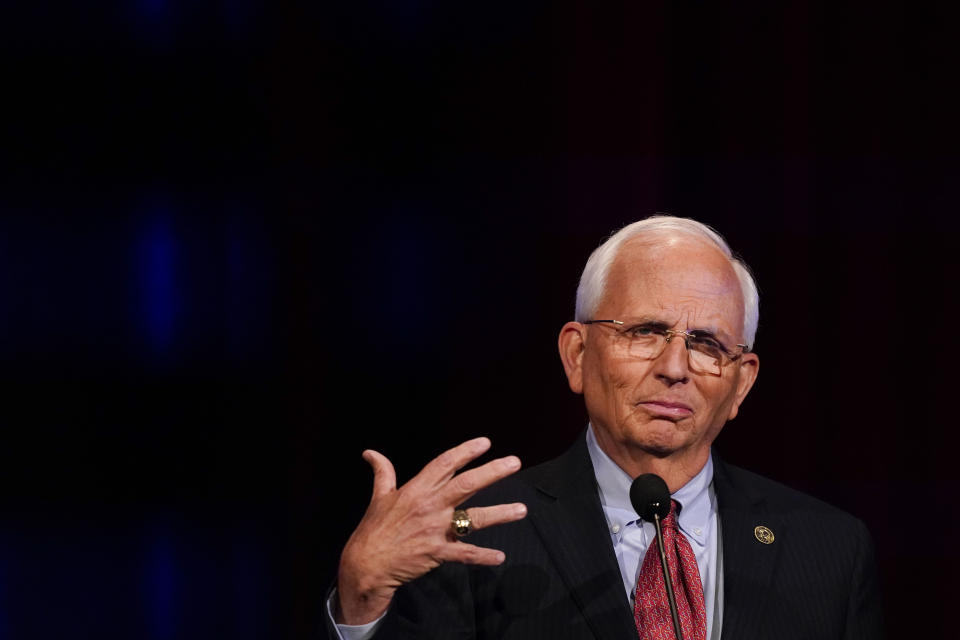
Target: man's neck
(676,468)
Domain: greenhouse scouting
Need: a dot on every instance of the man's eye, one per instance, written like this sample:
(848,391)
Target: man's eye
(707,343)
(641,331)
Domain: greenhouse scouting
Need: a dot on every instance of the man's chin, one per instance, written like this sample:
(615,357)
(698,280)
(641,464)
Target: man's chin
(660,438)
(659,451)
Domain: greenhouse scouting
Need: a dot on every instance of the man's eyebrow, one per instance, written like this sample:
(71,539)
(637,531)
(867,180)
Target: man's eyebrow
(657,322)
(707,331)
(650,321)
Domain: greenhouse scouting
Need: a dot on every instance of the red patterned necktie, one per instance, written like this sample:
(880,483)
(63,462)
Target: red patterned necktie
(651,609)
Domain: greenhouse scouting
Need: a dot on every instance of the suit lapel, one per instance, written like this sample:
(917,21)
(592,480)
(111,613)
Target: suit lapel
(571,524)
(748,564)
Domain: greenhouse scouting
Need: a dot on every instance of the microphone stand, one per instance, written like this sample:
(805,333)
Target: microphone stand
(668,581)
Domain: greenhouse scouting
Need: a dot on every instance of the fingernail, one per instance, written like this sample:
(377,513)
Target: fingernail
(521,510)
(500,557)
(513,462)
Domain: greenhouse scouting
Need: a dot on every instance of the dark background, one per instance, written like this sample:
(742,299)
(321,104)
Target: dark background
(240,242)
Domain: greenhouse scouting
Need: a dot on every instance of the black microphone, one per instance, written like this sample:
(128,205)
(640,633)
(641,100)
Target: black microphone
(651,500)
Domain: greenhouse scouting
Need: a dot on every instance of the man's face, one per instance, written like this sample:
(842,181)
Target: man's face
(660,406)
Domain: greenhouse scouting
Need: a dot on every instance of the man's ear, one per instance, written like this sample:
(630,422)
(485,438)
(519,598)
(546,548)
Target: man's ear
(571,343)
(748,366)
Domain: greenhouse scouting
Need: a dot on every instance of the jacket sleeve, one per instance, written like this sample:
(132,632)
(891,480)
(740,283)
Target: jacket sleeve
(864,612)
(332,631)
(437,605)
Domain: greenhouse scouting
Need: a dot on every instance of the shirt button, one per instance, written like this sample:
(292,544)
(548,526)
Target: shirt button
(615,528)
(697,531)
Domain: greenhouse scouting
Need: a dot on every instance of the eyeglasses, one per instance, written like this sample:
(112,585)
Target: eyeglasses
(647,340)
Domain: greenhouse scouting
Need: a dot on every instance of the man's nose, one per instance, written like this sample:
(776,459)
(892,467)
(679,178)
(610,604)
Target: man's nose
(673,364)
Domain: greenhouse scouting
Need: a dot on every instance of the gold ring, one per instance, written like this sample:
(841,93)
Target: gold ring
(461,523)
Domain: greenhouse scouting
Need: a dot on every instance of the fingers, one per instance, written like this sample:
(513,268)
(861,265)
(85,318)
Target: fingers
(482,517)
(442,468)
(472,554)
(469,482)
(384,476)
(440,471)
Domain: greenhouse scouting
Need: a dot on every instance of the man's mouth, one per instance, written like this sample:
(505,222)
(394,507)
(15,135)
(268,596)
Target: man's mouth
(667,409)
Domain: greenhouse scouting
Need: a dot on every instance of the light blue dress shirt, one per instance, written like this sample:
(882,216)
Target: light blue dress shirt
(631,536)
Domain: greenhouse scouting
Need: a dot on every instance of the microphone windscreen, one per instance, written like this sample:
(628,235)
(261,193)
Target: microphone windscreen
(649,494)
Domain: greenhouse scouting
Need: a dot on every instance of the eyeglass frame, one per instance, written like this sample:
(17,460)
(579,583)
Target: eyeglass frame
(687,335)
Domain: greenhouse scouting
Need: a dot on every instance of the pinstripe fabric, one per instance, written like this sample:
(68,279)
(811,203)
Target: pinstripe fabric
(817,580)
(561,579)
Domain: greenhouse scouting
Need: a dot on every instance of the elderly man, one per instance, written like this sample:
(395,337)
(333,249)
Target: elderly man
(661,350)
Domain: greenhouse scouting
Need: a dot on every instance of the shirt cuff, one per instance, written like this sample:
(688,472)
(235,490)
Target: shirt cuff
(351,631)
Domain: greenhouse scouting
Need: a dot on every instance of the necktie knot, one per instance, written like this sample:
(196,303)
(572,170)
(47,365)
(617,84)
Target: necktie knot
(670,522)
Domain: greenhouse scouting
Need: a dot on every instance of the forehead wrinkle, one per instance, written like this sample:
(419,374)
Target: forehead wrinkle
(672,320)
(697,318)
(695,313)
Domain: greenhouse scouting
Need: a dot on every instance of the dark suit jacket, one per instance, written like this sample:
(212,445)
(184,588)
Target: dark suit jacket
(561,578)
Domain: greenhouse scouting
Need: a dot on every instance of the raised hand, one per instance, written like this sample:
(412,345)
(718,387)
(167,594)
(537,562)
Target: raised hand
(406,532)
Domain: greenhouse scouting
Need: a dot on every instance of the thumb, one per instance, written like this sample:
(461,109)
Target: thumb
(384,477)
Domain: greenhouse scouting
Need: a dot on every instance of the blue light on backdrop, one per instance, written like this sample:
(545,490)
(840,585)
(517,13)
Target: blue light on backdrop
(249,589)
(4,601)
(238,16)
(153,22)
(247,302)
(153,9)
(161,587)
(160,24)
(399,286)
(157,257)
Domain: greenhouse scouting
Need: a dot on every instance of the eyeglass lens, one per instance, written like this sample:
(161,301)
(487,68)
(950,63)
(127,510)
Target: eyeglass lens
(702,358)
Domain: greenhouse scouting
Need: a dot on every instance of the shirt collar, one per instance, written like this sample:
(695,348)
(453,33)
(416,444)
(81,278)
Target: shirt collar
(614,484)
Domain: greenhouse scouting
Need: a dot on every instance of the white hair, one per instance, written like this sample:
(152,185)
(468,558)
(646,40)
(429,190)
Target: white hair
(594,278)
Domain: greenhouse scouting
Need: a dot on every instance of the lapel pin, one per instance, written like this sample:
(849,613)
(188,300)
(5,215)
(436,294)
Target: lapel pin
(763,534)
